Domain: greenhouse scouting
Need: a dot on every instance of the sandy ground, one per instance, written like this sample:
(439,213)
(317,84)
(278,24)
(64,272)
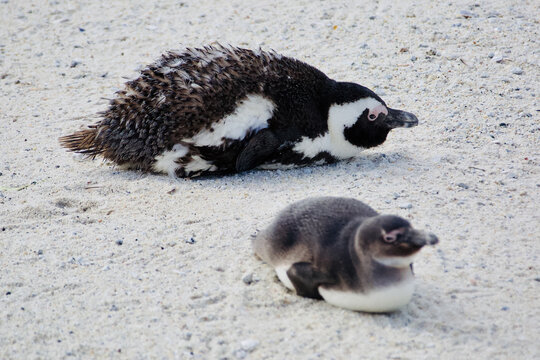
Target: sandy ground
(96,262)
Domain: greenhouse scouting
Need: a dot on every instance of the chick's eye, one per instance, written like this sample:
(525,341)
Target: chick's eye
(393,236)
(372,116)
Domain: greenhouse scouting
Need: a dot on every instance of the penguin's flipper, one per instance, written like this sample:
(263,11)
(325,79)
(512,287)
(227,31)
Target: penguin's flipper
(258,149)
(306,279)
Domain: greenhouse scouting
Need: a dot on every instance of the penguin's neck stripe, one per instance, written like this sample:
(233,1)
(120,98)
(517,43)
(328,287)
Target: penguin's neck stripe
(334,142)
(396,261)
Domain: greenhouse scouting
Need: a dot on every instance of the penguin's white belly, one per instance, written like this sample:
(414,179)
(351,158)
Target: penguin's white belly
(251,115)
(377,300)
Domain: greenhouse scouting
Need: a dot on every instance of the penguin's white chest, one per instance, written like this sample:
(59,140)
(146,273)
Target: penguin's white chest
(377,300)
(336,146)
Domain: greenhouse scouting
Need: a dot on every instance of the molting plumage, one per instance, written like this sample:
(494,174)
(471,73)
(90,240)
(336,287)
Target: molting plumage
(225,109)
(344,252)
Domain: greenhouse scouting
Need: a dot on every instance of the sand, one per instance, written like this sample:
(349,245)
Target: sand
(96,262)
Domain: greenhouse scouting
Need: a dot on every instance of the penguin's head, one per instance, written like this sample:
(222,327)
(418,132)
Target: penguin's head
(360,117)
(391,240)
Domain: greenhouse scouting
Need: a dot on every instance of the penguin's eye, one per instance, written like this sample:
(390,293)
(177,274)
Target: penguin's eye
(390,238)
(377,111)
(393,236)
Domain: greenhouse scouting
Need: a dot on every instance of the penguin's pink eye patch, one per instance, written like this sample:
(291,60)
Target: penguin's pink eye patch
(393,235)
(376,111)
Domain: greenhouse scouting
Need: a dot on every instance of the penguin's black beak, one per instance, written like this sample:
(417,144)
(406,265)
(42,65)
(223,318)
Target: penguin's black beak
(399,118)
(421,238)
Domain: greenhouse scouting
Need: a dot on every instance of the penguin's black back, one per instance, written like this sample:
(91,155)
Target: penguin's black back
(186,92)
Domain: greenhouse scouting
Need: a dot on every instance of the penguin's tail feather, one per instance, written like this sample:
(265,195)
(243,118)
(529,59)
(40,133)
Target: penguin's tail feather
(83,141)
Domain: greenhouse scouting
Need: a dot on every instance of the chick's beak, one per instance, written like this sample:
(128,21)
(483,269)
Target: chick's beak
(421,238)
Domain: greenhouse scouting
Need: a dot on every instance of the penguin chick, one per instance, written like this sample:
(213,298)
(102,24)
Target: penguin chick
(343,251)
(224,109)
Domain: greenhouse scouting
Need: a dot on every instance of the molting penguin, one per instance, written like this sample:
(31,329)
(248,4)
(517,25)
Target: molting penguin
(226,109)
(344,252)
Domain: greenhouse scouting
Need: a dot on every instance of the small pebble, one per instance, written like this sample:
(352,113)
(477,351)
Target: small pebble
(491,55)
(467,14)
(517,71)
(240,354)
(414,58)
(247,278)
(505,308)
(497,58)
(249,344)
(40,252)
(463,185)
(119,242)
(405,206)
(190,241)
(74,63)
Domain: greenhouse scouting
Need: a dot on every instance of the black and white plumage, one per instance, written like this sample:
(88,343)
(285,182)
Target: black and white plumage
(226,109)
(343,251)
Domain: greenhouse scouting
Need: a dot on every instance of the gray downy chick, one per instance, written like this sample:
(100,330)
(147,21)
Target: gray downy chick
(343,251)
